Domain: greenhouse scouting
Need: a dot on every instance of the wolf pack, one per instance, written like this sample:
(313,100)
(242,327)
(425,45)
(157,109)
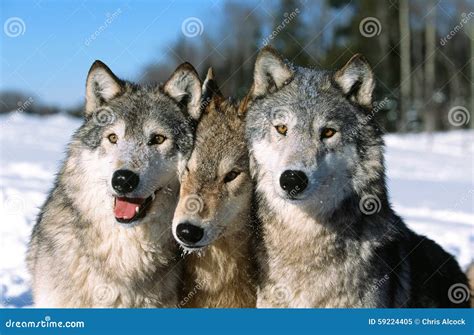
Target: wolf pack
(174,195)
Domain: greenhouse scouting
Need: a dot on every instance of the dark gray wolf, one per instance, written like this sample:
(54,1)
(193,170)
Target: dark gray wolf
(329,235)
(103,237)
(213,217)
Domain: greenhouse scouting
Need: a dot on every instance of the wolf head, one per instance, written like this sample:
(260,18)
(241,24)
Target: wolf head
(311,136)
(133,139)
(216,184)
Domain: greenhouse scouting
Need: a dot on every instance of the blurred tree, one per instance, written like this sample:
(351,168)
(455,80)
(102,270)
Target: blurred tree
(12,100)
(231,51)
(421,73)
(372,29)
(292,33)
(405,64)
(429,113)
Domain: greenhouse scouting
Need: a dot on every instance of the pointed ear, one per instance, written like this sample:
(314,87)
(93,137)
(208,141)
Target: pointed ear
(270,73)
(356,80)
(184,86)
(101,86)
(210,88)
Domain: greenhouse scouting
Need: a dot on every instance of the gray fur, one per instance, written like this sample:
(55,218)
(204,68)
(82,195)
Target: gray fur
(79,255)
(327,247)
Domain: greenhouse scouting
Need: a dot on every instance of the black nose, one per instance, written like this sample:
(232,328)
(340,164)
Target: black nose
(293,182)
(124,181)
(189,233)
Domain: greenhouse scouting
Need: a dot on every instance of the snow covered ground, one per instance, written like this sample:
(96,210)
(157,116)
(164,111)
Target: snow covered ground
(431,182)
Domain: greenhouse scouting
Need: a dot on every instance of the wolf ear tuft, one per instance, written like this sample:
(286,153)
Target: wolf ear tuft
(101,86)
(184,86)
(209,89)
(356,80)
(270,73)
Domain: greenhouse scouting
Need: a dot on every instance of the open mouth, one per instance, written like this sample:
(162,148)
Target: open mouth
(127,210)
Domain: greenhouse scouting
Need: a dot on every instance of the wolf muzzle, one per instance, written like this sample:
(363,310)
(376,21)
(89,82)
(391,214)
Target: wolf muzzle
(125,181)
(189,234)
(293,182)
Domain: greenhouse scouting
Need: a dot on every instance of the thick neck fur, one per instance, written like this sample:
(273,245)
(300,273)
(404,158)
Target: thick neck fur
(221,275)
(297,242)
(92,261)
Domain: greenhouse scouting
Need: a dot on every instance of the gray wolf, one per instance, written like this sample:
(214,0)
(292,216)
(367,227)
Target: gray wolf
(103,237)
(212,221)
(329,235)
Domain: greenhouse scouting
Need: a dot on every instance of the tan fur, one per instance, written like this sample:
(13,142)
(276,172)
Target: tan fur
(221,274)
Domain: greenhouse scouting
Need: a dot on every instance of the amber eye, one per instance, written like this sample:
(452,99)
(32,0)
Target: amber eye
(327,133)
(231,176)
(113,138)
(156,139)
(282,129)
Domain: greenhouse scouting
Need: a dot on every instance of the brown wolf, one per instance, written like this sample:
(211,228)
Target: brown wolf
(213,216)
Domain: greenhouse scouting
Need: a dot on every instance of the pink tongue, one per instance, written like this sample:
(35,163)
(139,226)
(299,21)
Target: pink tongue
(125,207)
